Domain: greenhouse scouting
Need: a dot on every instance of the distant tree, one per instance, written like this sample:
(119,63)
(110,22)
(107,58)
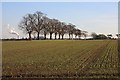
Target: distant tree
(45,29)
(38,16)
(77,33)
(51,28)
(56,25)
(58,29)
(94,35)
(63,29)
(101,36)
(84,33)
(27,25)
(118,35)
(109,36)
(71,29)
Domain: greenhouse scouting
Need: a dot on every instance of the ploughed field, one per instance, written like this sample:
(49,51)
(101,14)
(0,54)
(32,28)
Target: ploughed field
(60,58)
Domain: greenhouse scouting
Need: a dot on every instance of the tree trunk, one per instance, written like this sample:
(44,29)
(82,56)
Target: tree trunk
(29,35)
(72,36)
(85,37)
(75,36)
(50,35)
(62,36)
(59,36)
(79,37)
(55,35)
(38,37)
(69,35)
(44,35)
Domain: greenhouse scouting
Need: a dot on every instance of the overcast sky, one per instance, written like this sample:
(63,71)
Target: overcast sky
(99,17)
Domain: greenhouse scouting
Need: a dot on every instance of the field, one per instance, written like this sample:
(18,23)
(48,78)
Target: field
(60,58)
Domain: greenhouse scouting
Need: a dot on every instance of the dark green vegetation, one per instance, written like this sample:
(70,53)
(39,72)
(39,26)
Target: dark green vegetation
(60,58)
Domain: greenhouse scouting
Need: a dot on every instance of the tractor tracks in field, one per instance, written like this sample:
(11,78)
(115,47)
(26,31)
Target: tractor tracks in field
(93,59)
(84,66)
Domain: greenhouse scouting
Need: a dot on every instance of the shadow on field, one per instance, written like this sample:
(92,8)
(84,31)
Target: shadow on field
(79,77)
(60,79)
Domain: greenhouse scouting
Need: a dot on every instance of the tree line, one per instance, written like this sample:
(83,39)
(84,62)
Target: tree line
(39,23)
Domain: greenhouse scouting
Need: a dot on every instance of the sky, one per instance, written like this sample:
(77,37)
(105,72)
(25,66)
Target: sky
(60,0)
(99,17)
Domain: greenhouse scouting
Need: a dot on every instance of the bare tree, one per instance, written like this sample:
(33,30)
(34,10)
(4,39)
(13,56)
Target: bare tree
(118,35)
(71,29)
(94,35)
(84,33)
(77,33)
(26,25)
(38,22)
(59,29)
(52,27)
(56,25)
(109,36)
(45,26)
(63,29)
